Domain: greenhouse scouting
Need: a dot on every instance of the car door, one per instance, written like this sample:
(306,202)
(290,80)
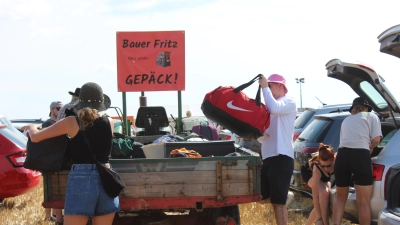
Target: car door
(366,83)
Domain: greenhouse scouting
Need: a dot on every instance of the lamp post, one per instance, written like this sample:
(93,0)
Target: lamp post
(299,81)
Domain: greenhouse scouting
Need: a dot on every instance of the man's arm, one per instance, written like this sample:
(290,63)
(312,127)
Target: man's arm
(374,143)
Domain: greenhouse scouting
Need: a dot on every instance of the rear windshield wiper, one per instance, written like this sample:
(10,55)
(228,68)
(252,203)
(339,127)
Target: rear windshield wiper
(302,139)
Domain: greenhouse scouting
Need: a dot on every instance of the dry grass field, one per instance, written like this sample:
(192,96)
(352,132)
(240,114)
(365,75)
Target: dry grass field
(27,210)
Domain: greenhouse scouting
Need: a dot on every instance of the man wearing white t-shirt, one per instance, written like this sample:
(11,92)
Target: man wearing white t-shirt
(277,146)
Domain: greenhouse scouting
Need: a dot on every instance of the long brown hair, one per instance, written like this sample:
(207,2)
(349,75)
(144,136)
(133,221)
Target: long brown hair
(325,153)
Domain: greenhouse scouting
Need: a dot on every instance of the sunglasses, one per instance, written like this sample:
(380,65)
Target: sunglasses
(326,166)
(269,85)
(58,108)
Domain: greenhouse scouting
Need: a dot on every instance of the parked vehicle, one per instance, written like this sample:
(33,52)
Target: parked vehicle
(308,116)
(390,214)
(298,115)
(14,178)
(18,123)
(368,84)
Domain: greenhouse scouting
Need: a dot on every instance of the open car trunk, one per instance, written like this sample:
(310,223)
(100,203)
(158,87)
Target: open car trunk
(366,83)
(390,41)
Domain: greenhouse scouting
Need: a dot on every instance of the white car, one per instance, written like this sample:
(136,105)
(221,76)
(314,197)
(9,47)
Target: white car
(390,213)
(368,84)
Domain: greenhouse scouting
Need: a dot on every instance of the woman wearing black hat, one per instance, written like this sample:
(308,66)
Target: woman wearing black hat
(85,195)
(359,135)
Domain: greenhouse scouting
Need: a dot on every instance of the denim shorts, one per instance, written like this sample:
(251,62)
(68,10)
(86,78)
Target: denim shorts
(85,194)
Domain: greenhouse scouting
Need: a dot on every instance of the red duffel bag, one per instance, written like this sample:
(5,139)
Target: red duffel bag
(234,110)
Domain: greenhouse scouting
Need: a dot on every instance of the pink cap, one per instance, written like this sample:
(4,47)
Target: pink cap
(276,78)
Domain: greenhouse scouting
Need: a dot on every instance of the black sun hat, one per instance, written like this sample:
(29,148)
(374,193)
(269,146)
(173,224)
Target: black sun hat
(91,95)
(361,101)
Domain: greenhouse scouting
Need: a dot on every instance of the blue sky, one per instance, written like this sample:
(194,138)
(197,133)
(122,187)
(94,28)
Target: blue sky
(48,48)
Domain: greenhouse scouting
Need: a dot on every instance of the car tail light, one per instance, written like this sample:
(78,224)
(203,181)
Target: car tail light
(309,150)
(296,135)
(377,172)
(17,159)
(228,137)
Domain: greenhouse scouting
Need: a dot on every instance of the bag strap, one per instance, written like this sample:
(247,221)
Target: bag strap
(246,85)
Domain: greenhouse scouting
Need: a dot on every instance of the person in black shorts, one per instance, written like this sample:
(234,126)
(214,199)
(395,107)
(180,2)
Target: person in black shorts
(277,145)
(318,176)
(359,135)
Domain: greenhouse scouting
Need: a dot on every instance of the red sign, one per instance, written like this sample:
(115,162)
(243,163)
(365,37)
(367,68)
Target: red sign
(151,61)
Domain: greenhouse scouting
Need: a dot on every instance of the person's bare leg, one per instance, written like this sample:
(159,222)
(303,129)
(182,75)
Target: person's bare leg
(281,214)
(59,215)
(311,218)
(75,220)
(324,201)
(103,220)
(338,207)
(363,198)
(313,215)
(47,212)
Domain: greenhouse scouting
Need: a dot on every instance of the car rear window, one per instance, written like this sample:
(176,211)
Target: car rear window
(386,139)
(315,131)
(11,133)
(303,119)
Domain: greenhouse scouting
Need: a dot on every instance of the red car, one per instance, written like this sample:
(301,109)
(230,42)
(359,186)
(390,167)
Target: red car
(14,178)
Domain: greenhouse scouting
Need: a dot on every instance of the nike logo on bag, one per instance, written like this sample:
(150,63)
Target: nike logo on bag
(231,106)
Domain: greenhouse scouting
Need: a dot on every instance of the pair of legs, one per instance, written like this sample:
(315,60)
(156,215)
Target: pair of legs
(47,211)
(82,220)
(363,203)
(323,200)
(58,213)
(276,173)
(356,162)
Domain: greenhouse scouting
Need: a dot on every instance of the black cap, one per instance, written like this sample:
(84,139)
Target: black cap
(361,101)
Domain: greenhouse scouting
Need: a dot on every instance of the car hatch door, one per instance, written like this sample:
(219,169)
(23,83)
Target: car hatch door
(366,83)
(390,41)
